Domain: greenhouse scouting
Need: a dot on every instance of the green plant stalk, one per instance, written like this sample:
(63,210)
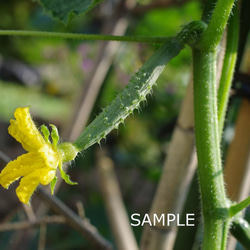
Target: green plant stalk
(238,224)
(241,231)
(214,201)
(228,67)
(208,10)
(129,99)
(215,206)
(217,24)
(47,34)
(236,208)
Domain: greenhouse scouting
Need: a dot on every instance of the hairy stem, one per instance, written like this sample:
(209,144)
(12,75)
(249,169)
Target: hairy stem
(129,99)
(228,67)
(215,205)
(217,24)
(47,34)
(208,10)
(214,202)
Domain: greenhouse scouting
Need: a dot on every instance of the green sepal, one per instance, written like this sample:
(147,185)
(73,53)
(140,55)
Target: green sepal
(54,135)
(53,184)
(45,132)
(66,177)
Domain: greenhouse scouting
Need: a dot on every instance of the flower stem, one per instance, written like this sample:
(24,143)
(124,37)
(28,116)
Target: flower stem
(47,34)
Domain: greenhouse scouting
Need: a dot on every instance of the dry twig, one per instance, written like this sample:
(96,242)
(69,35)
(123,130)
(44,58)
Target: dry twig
(14,226)
(115,207)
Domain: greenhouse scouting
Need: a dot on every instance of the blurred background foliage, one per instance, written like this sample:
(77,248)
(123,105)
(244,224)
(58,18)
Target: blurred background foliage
(48,74)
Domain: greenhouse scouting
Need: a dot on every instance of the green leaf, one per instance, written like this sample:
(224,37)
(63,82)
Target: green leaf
(65,10)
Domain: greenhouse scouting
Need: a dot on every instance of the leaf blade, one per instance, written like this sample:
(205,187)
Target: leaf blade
(66,10)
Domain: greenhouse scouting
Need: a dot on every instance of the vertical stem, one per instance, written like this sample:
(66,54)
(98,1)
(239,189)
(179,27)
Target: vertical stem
(214,202)
(217,23)
(208,10)
(213,197)
(228,66)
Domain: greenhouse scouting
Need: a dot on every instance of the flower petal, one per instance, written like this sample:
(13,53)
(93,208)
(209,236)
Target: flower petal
(46,175)
(29,183)
(22,166)
(27,186)
(25,131)
(14,170)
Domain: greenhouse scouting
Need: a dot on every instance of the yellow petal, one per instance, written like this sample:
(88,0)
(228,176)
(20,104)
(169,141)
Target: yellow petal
(22,166)
(29,183)
(14,170)
(46,176)
(27,186)
(25,131)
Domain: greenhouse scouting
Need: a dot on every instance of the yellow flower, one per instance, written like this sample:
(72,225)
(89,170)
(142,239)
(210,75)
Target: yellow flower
(39,165)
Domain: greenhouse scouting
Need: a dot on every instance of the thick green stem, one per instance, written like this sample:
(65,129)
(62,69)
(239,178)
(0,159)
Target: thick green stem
(214,202)
(208,10)
(217,24)
(215,205)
